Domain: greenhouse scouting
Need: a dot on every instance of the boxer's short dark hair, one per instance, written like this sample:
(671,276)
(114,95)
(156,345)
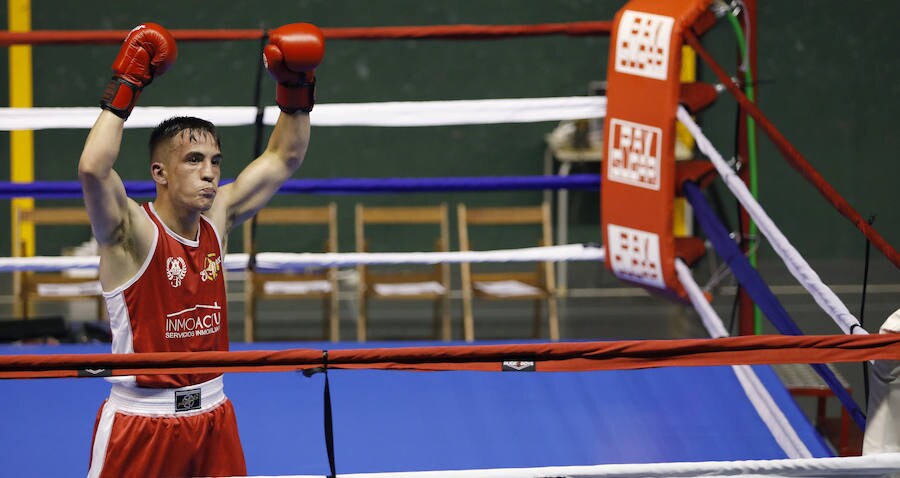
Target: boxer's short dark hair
(172,127)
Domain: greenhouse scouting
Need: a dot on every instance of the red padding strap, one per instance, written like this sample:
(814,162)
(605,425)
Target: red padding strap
(549,357)
(794,158)
(475,32)
(469,31)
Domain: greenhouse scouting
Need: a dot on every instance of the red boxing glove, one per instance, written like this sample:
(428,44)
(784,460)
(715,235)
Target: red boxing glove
(148,50)
(293,53)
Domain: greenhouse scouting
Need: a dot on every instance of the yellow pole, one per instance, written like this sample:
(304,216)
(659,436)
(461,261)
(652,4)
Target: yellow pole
(682,221)
(21,143)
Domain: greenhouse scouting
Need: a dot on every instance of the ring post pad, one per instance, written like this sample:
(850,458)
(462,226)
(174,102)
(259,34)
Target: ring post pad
(638,190)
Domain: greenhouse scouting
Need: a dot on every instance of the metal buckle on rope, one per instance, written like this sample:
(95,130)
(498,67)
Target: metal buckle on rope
(309,372)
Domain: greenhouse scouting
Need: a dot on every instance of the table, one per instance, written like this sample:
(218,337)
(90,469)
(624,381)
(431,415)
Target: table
(579,141)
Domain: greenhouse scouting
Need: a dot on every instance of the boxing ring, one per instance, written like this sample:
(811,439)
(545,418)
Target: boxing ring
(710,407)
(395,420)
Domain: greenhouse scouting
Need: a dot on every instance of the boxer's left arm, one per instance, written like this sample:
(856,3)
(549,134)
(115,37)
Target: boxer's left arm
(291,56)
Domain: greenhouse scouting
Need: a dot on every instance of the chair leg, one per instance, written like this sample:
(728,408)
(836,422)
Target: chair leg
(468,322)
(326,318)
(249,316)
(334,318)
(20,307)
(361,318)
(435,318)
(446,333)
(538,318)
(441,322)
(27,306)
(553,317)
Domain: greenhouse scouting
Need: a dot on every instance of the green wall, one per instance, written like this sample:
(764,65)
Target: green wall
(830,84)
(830,87)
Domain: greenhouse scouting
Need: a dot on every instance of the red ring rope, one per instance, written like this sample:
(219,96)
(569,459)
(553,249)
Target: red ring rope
(457,32)
(549,357)
(794,158)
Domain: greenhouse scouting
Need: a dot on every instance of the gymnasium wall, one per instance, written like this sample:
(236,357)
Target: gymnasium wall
(827,80)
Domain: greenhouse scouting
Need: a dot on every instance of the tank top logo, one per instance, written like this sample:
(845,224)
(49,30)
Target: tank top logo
(211,267)
(197,321)
(175,270)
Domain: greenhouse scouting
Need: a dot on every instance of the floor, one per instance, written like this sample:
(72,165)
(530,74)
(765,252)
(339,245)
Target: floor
(596,306)
(391,421)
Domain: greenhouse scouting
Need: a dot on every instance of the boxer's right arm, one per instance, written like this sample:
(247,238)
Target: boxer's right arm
(148,51)
(104,192)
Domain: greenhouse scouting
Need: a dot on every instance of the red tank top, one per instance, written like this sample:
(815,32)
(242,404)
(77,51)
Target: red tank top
(175,303)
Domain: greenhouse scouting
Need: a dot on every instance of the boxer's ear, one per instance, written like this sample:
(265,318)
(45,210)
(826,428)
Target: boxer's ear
(158,173)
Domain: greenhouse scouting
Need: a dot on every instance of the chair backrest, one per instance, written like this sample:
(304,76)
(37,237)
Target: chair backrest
(46,216)
(295,216)
(29,285)
(405,219)
(535,216)
(402,215)
(503,216)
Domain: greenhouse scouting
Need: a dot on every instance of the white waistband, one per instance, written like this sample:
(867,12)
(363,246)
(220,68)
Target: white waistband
(168,401)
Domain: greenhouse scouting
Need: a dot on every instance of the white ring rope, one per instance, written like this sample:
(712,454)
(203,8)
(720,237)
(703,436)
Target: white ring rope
(869,466)
(796,264)
(434,113)
(769,411)
(285,260)
(398,113)
(708,316)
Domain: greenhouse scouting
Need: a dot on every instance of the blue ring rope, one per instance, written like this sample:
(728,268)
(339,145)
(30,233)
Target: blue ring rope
(72,189)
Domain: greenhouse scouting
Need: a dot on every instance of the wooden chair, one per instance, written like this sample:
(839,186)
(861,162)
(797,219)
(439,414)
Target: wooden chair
(400,282)
(33,286)
(538,285)
(289,285)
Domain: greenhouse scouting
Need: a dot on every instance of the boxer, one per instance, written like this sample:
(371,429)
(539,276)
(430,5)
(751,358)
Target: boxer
(161,261)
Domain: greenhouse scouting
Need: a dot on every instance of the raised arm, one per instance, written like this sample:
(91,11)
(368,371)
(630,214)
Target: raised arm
(293,53)
(104,192)
(147,51)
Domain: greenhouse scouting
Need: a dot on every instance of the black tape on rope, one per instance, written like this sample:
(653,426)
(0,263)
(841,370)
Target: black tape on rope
(327,420)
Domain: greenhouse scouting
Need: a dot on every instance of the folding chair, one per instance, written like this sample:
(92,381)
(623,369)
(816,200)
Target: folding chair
(53,286)
(400,282)
(320,283)
(538,285)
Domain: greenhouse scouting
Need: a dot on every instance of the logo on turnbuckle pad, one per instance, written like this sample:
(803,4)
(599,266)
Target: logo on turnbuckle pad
(186,400)
(642,44)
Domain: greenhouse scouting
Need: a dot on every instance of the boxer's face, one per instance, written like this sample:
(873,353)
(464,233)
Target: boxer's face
(191,169)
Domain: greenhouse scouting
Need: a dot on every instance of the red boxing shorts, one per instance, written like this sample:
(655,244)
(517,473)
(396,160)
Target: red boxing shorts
(188,431)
